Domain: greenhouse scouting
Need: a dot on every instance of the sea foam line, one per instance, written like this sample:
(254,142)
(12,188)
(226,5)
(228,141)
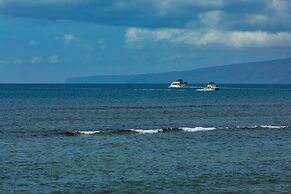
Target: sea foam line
(161,130)
(189,129)
(185,129)
(274,126)
(86,132)
(142,131)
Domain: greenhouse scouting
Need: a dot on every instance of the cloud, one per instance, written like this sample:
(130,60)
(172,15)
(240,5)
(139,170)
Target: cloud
(166,7)
(174,57)
(231,39)
(68,38)
(33,43)
(17,61)
(53,59)
(102,43)
(280,6)
(251,15)
(2,62)
(212,18)
(36,60)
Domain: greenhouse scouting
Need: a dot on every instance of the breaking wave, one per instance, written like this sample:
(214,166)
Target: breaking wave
(146,131)
(73,133)
(274,126)
(165,130)
(139,131)
(188,129)
(261,127)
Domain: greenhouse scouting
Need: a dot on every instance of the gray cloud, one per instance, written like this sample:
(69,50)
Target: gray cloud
(265,15)
(231,39)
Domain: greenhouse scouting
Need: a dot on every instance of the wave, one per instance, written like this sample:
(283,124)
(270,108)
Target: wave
(274,126)
(138,131)
(146,131)
(75,133)
(188,129)
(170,129)
(257,127)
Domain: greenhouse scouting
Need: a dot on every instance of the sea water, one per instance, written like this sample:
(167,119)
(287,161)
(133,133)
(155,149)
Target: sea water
(144,139)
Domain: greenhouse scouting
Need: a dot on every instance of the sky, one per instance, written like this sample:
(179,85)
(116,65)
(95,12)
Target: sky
(48,41)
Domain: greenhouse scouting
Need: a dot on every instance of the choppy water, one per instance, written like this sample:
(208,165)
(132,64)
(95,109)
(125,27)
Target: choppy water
(145,139)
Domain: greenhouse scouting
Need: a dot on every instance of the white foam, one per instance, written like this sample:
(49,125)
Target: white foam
(189,129)
(142,131)
(204,90)
(88,132)
(274,126)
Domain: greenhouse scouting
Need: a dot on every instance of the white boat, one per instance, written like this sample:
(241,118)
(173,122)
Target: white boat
(210,87)
(179,84)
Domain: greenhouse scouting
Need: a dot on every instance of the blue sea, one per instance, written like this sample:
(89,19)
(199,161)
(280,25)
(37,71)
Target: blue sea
(144,139)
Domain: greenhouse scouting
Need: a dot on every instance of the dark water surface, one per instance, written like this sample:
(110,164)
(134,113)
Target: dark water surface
(145,139)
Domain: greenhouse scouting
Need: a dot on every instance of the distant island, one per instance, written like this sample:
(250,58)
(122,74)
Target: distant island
(263,72)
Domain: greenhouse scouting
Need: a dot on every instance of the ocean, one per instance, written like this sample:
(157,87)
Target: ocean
(94,138)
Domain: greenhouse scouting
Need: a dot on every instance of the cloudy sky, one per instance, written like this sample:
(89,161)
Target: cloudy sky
(48,41)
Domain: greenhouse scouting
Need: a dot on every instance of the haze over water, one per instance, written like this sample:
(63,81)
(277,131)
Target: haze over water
(132,138)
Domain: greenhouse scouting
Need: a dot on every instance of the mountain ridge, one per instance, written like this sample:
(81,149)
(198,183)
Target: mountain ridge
(277,71)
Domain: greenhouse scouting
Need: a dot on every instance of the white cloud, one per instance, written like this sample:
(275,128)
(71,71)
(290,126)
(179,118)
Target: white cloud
(232,39)
(174,57)
(3,63)
(68,38)
(280,5)
(53,59)
(17,61)
(102,43)
(35,60)
(33,43)
(257,19)
(212,18)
